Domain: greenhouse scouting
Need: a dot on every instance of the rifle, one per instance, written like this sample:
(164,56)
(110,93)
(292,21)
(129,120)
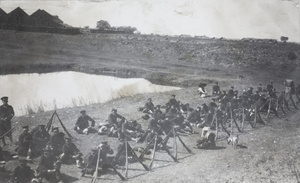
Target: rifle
(154,149)
(95,175)
(115,170)
(9,130)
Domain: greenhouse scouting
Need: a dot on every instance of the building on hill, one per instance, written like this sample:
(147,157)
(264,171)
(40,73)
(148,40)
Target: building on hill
(17,17)
(3,16)
(41,18)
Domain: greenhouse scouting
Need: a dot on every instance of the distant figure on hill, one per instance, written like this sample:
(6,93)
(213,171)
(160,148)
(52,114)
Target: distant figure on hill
(82,123)
(6,114)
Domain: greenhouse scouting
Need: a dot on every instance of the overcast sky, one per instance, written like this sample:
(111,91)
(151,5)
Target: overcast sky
(214,18)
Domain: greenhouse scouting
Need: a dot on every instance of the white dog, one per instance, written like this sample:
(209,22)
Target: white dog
(233,140)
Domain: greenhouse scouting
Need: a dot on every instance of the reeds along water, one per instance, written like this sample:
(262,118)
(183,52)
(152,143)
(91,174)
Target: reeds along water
(31,93)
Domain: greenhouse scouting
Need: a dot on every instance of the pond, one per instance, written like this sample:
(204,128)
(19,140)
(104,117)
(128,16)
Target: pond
(31,93)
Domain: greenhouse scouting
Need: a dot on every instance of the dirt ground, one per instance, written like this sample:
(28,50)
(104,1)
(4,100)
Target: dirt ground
(269,152)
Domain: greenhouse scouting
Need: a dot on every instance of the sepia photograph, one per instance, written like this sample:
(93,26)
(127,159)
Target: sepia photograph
(153,91)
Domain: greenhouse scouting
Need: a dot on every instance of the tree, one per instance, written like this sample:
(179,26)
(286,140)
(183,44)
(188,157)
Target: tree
(103,25)
(284,39)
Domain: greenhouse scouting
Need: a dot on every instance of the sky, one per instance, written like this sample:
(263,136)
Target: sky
(232,19)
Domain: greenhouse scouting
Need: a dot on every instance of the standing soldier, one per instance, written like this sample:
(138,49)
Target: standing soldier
(22,173)
(82,123)
(6,114)
(40,138)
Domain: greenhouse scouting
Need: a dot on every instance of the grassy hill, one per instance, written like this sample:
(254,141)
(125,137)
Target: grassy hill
(160,59)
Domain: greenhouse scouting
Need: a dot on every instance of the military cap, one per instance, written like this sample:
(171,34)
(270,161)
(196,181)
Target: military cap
(216,83)
(232,87)
(114,110)
(42,125)
(158,105)
(173,95)
(83,111)
(4,98)
(149,98)
(25,127)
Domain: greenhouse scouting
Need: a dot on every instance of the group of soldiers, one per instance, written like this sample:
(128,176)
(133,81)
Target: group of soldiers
(55,148)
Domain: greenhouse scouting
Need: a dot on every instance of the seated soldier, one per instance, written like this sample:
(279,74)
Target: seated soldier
(25,145)
(260,88)
(71,153)
(49,166)
(22,173)
(171,112)
(185,108)
(194,117)
(201,90)
(270,87)
(82,123)
(126,131)
(149,107)
(172,102)
(230,92)
(181,123)
(216,89)
(113,118)
(207,139)
(207,120)
(90,161)
(157,112)
(40,138)
(57,140)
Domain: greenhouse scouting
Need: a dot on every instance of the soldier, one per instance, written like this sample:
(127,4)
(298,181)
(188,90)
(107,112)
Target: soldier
(70,153)
(230,92)
(113,118)
(82,123)
(6,114)
(172,112)
(149,107)
(57,140)
(216,89)
(25,145)
(260,88)
(270,87)
(40,138)
(172,102)
(22,173)
(90,160)
(207,139)
(157,112)
(49,166)
(201,90)
(194,116)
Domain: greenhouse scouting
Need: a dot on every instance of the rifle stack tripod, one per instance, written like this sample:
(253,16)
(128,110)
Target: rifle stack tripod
(128,150)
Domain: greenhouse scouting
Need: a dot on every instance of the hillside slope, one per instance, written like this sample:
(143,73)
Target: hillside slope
(160,59)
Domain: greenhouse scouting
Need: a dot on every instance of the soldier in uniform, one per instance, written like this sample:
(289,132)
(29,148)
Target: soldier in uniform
(82,123)
(149,107)
(216,89)
(49,166)
(172,102)
(90,160)
(207,139)
(70,153)
(6,114)
(25,145)
(22,173)
(40,138)
(57,140)
(230,92)
(113,118)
